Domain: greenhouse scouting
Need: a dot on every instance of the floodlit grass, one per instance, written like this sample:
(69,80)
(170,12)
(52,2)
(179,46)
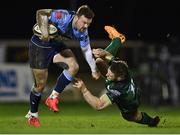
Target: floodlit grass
(80,118)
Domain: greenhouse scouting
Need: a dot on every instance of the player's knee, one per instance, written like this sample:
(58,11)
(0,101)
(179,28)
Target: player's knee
(99,61)
(73,67)
(40,87)
(128,117)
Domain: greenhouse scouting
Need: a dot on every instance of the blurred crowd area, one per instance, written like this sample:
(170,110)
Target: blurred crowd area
(155,67)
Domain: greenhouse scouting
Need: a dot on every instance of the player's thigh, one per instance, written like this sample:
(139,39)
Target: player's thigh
(66,56)
(39,57)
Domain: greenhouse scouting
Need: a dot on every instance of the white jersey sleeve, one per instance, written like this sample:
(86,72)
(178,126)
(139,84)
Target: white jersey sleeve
(89,57)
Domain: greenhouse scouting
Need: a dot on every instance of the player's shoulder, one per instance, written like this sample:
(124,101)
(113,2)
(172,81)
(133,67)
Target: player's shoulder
(63,12)
(63,16)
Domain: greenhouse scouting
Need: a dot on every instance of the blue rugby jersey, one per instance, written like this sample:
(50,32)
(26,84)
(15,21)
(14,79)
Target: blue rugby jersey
(62,19)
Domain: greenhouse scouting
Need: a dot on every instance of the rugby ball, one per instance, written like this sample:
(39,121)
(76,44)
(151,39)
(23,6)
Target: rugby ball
(52,30)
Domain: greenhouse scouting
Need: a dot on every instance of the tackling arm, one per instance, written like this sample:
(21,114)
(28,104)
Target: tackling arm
(95,102)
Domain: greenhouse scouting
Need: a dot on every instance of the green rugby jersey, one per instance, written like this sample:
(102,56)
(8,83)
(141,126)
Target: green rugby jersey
(124,93)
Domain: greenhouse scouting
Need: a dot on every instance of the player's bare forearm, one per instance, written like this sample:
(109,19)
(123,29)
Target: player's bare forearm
(100,53)
(95,102)
(107,57)
(40,13)
(42,20)
(92,100)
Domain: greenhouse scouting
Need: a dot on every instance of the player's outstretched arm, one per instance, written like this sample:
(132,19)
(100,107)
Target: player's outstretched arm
(95,102)
(96,74)
(90,60)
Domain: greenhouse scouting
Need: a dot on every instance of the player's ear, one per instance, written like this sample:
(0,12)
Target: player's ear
(75,18)
(119,78)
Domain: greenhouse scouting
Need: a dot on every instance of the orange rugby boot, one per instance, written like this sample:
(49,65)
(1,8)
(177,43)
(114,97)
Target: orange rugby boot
(113,33)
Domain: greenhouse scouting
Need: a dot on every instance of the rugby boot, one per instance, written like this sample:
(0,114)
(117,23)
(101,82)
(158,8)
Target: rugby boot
(154,122)
(52,103)
(113,33)
(33,121)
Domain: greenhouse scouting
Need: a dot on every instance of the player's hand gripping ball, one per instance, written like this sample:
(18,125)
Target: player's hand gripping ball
(52,30)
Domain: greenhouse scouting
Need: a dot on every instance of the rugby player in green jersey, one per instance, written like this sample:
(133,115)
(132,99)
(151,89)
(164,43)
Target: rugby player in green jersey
(120,86)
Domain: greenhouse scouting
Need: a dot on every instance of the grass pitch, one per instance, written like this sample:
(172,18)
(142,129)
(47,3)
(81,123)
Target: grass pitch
(80,118)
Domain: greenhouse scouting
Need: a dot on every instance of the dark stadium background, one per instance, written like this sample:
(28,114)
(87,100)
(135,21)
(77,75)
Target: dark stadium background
(138,19)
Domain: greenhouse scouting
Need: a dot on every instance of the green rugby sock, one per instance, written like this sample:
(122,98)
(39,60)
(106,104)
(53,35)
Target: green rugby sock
(114,46)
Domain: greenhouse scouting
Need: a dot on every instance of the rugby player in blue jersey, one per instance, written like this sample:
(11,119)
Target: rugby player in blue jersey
(120,86)
(45,48)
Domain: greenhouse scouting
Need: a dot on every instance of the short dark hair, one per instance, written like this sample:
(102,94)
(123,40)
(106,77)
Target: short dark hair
(119,68)
(86,11)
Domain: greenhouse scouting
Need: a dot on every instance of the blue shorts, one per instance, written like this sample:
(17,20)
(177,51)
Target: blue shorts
(41,53)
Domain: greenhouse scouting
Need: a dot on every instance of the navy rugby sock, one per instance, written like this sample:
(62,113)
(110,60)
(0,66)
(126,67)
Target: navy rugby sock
(35,98)
(63,80)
